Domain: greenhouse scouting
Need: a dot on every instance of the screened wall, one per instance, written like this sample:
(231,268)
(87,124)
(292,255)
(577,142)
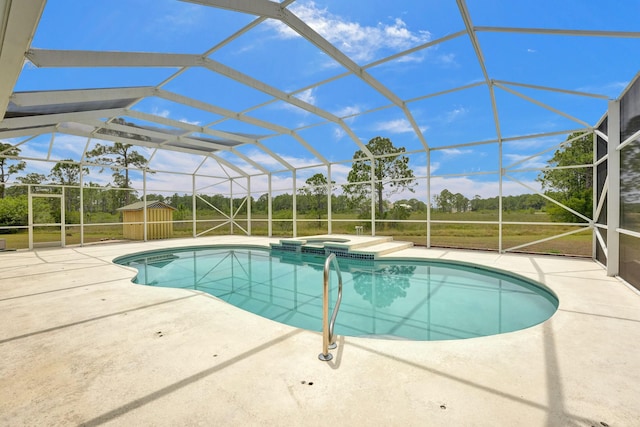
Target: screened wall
(629,149)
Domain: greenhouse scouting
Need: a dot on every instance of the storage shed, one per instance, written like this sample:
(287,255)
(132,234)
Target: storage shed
(159,220)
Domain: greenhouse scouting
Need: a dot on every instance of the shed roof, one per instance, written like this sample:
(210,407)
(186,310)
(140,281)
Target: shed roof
(151,204)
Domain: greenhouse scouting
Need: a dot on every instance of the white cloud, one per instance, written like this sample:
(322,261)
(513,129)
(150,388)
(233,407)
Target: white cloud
(447,59)
(283,182)
(162,113)
(268,162)
(455,114)
(467,186)
(350,110)
(396,126)
(264,159)
(307,96)
(185,120)
(414,57)
(67,146)
(177,20)
(452,152)
(451,116)
(168,183)
(167,115)
(36,148)
(535,162)
(533,144)
(174,161)
(361,43)
(531,50)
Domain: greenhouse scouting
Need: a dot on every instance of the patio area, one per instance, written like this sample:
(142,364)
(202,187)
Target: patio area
(82,345)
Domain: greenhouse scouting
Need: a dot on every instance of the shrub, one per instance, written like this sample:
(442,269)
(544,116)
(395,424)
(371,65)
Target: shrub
(14,211)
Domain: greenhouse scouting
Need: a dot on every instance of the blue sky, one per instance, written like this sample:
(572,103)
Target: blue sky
(365,31)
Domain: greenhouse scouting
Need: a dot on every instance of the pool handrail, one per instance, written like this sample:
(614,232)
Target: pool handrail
(328,341)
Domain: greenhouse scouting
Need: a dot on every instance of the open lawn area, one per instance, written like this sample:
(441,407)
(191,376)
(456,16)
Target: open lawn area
(470,230)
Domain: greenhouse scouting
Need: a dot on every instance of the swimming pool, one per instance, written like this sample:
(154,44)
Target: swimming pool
(392,299)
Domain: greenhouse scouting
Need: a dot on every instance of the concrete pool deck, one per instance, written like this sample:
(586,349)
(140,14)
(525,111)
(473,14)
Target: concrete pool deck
(81,345)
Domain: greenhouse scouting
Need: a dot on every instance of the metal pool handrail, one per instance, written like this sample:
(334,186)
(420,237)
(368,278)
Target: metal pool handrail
(327,326)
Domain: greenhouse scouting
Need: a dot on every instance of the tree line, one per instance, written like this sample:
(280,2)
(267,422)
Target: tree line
(389,168)
(448,202)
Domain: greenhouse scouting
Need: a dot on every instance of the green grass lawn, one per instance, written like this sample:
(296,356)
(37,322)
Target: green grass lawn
(456,235)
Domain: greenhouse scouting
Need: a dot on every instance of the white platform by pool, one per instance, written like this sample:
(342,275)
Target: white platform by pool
(373,246)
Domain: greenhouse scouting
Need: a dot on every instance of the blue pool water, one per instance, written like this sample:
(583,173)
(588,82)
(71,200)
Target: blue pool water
(417,300)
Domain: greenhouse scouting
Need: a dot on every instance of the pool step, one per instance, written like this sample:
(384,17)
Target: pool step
(383,248)
(348,246)
(361,243)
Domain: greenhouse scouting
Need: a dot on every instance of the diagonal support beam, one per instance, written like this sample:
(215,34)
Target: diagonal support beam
(188,127)
(28,131)
(576,213)
(275,156)
(552,89)
(249,161)
(18,22)
(539,153)
(63,58)
(265,8)
(281,13)
(236,116)
(230,165)
(561,32)
(149,144)
(543,105)
(54,97)
(191,102)
(466,17)
(54,119)
(162,136)
(44,58)
(263,87)
(300,27)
